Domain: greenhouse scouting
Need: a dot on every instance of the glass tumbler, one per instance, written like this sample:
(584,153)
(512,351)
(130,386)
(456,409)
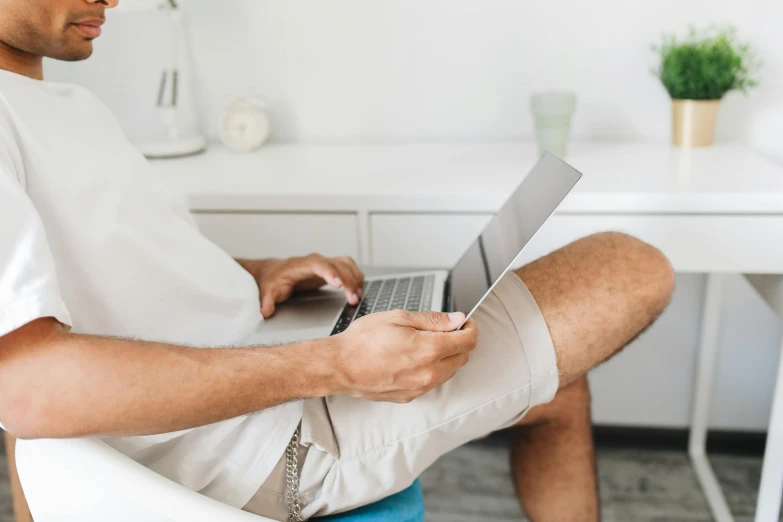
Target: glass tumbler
(552,113)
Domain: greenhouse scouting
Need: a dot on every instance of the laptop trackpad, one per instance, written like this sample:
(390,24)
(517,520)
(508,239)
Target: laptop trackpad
(306,316)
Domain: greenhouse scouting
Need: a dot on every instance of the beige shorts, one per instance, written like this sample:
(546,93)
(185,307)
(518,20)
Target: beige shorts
(355,452)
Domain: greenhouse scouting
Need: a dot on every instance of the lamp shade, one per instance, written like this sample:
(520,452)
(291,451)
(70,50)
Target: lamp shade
(174,101)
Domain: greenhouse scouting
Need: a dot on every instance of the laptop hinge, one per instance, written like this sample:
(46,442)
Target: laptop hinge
(448,305)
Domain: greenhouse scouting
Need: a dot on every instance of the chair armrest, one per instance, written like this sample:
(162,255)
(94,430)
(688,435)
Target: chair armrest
(87,480)
(21,511)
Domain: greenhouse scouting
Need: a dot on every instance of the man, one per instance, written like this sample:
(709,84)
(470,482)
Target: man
(95,256)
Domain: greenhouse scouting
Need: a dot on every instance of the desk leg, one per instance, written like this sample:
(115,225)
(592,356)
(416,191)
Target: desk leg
(771,489)
(705,376)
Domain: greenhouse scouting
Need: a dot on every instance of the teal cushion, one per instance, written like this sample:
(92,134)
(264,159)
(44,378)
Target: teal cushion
(405,506)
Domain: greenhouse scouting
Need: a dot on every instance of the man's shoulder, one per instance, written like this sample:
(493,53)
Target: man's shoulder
(10,154)
(23,114)
(8,128)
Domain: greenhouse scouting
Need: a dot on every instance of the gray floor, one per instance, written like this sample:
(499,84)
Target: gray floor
(472,485)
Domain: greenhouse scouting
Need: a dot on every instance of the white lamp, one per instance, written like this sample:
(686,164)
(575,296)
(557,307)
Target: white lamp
(177,142)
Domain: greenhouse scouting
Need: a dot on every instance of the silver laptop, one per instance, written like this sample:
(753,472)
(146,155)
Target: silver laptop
(462,288)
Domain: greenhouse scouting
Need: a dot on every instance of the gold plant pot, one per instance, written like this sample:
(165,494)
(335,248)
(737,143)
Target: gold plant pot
(693,122)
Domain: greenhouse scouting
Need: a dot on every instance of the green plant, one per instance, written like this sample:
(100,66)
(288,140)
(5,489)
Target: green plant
(706,65)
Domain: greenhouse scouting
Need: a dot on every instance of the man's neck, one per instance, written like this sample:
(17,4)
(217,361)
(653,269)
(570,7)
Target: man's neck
(20,62)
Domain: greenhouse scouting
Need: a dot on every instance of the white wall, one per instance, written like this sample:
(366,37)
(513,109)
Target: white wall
(456,70)
(460,69)
(441,69)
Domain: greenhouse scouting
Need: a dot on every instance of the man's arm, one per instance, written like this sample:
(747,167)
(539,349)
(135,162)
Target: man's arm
(57,384)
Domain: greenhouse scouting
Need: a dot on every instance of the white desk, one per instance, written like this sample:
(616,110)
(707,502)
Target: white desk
(717,210)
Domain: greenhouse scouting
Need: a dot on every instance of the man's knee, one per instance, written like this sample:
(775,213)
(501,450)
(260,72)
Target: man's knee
(630,258)
(597,294)
(616,262)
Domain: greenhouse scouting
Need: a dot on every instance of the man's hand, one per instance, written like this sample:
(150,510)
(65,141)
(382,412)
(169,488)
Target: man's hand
(278,278)
(397,356)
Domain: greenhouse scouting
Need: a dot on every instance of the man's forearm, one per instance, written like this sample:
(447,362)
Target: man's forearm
(56,384)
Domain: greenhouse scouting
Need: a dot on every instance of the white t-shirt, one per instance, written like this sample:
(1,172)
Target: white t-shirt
(89,236)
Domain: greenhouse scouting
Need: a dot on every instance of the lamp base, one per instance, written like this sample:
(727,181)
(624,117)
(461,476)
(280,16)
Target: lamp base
(173,148)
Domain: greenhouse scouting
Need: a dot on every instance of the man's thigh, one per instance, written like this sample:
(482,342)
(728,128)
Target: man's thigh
(512,365)
(539,329)
(596,295)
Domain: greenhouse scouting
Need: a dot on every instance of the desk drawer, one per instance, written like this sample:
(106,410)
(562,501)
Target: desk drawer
(423,240)
(693,243)
(281,235)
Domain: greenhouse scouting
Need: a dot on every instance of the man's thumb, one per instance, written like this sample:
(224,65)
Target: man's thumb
(267,305)
(436,321)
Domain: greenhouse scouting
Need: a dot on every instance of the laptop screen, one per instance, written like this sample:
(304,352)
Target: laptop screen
(491,255)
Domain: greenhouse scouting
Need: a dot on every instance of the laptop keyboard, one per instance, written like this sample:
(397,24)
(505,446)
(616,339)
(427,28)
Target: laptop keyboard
(403,293)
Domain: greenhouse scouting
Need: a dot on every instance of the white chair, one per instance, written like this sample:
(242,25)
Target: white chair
(83,480)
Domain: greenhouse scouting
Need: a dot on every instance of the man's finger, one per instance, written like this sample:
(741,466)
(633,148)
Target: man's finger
(267,306)
(448,368)
(320,266)
(453,363)
(431,321)
(438,346)
(445,369)
(358,275)
(272,295)
(349,281)
(470,325)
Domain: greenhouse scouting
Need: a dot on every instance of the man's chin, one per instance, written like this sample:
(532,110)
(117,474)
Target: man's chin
(75,53)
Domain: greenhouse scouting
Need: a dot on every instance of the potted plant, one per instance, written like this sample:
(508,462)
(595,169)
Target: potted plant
(697,72)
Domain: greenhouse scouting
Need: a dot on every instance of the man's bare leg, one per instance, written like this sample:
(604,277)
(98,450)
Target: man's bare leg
(596,295)
(553,459)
